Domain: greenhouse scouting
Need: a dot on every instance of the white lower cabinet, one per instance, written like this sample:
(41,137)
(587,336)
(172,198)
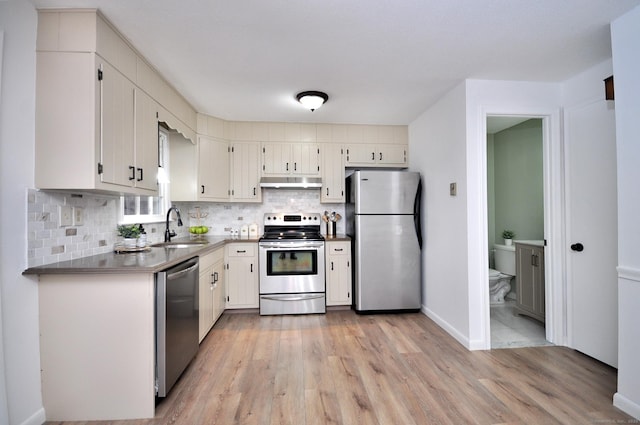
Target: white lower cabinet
(211,290)
(242,275)
(338,272)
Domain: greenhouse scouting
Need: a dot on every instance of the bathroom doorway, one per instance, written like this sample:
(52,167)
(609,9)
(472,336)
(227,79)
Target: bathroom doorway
(515,202)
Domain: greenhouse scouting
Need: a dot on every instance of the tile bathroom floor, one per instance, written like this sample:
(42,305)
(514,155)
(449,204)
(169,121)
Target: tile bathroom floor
(509,330)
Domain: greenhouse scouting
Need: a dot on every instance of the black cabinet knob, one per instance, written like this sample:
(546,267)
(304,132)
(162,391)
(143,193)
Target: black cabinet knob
(577,247)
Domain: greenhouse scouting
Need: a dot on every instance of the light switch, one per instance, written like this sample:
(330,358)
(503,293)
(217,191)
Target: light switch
(65,212)
(78,216)
(453,189)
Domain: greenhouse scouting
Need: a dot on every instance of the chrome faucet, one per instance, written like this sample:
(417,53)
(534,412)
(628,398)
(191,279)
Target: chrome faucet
(169,233)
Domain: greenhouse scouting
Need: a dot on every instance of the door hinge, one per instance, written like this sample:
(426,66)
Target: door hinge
(99,75)
(100,170)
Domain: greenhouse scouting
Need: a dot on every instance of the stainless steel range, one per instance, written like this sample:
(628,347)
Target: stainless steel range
(291,260)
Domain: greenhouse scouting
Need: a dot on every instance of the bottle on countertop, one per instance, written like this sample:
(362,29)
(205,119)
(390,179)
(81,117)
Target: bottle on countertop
(253,231)
(142,238)
(244,231)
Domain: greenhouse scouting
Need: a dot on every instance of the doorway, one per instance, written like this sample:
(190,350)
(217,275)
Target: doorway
(515,203)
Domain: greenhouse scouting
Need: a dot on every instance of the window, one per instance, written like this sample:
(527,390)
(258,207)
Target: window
(150,209)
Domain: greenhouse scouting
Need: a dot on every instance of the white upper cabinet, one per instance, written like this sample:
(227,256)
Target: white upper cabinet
(96,128)
(383,155)
(213,169)
(245,172)
(282,159)
(332,174)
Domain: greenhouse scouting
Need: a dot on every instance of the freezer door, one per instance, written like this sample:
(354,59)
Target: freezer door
(385,192)
(387,263)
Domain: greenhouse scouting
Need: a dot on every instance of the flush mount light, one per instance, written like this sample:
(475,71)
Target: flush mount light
(312,99)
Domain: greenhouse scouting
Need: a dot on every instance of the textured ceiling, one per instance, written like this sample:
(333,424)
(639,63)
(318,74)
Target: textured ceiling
(380,61)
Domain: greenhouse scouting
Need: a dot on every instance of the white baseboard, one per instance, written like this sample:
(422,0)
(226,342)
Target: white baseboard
(627,406)
(447,327)
(38,418)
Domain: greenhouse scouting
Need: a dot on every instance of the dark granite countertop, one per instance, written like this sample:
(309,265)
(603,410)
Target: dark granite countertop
(150,261)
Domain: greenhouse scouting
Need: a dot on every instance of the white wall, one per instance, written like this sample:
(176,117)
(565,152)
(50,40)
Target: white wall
(448,144)
(625,33)
(437,144)
(19,295)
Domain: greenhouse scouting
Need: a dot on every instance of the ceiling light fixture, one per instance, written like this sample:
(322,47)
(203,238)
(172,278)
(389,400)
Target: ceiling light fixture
(312,99)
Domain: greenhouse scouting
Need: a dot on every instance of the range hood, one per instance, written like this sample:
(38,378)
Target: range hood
(291,182)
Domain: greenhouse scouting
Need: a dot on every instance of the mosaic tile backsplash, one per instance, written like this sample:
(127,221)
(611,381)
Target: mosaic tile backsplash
(48,242)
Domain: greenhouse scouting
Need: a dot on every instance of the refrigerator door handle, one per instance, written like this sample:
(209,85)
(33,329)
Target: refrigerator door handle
(416,213)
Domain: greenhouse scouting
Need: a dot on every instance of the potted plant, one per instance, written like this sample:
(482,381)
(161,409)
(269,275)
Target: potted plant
(129,233)
(508,236)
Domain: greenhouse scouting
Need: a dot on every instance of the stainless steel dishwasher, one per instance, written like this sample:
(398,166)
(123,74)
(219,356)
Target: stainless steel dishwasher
(176,322)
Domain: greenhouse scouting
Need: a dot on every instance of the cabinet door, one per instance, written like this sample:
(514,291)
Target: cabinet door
(117,127)
(146,143)
(245,172)
(530,281)
(213,169)
(219,289)
(338,272)
(392,155)
(524,278)
(276,159)
(205,301)
(306,159)
(360,155)
(242,276)
(332,173)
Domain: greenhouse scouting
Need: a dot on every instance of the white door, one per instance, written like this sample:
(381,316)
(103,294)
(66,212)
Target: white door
(592,231)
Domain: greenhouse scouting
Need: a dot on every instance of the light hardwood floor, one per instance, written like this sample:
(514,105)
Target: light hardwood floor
(342,368)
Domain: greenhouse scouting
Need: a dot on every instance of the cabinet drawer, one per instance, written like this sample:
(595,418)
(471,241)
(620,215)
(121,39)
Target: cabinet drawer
(339,248)
(211,258)
(241,250)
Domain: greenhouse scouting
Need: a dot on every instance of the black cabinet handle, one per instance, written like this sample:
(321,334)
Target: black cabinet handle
(140,171)
(338,249)
(295,166)
(380,156)
(287,166)
(251,268)
(327,191)
(133,172)
(254,191)
(577,247)
(202,189)
(238,251)
(373,156)
(332,265)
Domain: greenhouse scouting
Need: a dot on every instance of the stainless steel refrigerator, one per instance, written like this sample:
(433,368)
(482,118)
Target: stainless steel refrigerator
(383,220)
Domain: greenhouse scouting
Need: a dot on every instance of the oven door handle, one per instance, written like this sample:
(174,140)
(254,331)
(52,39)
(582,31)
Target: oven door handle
(297,297)
(297,245)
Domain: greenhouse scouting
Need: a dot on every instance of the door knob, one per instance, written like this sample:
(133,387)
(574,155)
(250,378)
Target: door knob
(577,247)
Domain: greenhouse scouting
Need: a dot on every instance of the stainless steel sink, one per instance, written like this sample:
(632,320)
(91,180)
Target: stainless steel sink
(182,244)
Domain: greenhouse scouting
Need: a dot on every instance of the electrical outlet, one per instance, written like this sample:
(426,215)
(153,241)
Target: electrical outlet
(65,212)
(78,216)
(453,189)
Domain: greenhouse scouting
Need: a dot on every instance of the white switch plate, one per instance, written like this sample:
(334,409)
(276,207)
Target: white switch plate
(65,212)
(78,216)
(453,189)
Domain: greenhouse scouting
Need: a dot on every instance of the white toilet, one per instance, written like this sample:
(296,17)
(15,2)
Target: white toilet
(500,278)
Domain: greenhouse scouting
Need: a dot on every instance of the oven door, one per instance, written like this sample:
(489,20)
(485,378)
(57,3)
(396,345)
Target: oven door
(291,267)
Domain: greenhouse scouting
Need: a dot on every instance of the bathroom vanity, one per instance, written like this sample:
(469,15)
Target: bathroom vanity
(530,298)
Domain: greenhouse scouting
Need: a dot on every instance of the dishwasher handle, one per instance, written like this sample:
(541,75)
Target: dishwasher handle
(182,269)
